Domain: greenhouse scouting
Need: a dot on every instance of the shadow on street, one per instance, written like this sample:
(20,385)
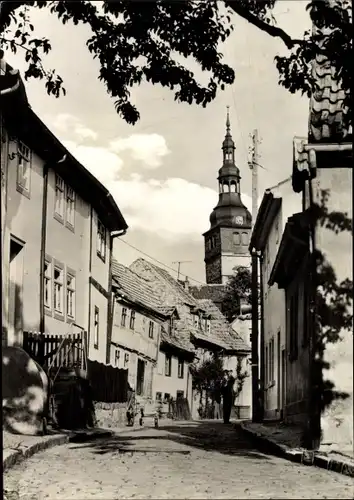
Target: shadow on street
(206,436)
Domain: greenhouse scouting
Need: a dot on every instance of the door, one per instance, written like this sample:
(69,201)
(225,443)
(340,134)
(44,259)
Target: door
(15,292)
(140,377)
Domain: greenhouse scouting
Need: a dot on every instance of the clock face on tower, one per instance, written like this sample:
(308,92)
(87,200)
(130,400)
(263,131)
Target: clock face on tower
(239,220)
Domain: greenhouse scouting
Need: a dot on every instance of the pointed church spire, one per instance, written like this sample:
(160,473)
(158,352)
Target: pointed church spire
(228,145)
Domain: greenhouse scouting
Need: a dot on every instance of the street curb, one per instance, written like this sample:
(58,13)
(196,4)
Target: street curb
(24,452)
(14,457)
(300,456)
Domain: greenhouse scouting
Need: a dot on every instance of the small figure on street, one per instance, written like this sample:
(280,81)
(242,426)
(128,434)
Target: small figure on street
(217,399)
(130,406)
(227,395)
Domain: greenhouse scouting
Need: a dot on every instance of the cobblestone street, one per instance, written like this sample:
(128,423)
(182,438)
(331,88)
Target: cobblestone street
(207,460)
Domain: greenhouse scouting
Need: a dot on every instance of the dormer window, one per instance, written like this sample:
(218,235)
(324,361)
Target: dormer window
(207,325)
(196,321)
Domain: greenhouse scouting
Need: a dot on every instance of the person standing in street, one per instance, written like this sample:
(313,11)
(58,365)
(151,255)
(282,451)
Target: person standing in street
(228,395)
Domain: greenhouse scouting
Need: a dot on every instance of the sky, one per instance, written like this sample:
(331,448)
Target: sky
(162,171)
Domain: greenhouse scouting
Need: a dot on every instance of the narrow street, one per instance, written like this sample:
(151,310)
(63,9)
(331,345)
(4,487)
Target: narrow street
(189,460)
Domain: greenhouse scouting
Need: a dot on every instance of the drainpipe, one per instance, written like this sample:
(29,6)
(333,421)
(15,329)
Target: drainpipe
(113,234)
(262,366)
(314,412)
(89,283)
(4,138)
(255,375)
(43,249)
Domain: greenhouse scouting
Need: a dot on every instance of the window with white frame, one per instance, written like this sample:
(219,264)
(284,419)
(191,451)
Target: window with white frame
(23,168)
(70,206)
(96,327)
(207,325)
(70,295)
(151,329)
(123,319)
(180,368)
(168,365)
(101,240)
(48,284)
(59,196)
(126,359)
(132,320)
(58,289)
(196,320)
(116,357)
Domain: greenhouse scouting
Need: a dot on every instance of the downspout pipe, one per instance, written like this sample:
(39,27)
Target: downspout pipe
(261,347)
(111,297)
(255,374)
(43,250)
(314,411)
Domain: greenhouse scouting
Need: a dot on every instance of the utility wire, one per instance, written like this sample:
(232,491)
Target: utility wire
(165,265)
(158,261)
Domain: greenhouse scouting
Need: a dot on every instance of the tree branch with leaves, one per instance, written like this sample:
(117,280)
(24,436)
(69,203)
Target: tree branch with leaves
(138,41)
(238,290)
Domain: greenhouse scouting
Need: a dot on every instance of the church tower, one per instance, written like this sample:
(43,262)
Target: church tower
(227,240)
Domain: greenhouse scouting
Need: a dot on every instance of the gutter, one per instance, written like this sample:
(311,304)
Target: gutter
(329,147)
(121,297)
(110,308)
(10,90)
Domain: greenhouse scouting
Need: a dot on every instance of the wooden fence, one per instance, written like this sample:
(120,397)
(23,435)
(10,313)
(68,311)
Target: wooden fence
(57,351)
(108,384)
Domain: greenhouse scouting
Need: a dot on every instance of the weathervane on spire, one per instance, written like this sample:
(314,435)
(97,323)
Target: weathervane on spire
(228,119)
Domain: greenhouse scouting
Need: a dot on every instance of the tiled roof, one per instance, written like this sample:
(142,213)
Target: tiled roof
(137,289)
(301,165)
(326,105)
(221,333)
(185,297)
(212,292)
(180,342)
(220,329)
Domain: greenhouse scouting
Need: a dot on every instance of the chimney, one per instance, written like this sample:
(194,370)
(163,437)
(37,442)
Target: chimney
(184,283)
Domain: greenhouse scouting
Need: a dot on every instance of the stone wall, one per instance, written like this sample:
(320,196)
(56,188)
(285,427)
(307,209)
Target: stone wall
(110,415)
